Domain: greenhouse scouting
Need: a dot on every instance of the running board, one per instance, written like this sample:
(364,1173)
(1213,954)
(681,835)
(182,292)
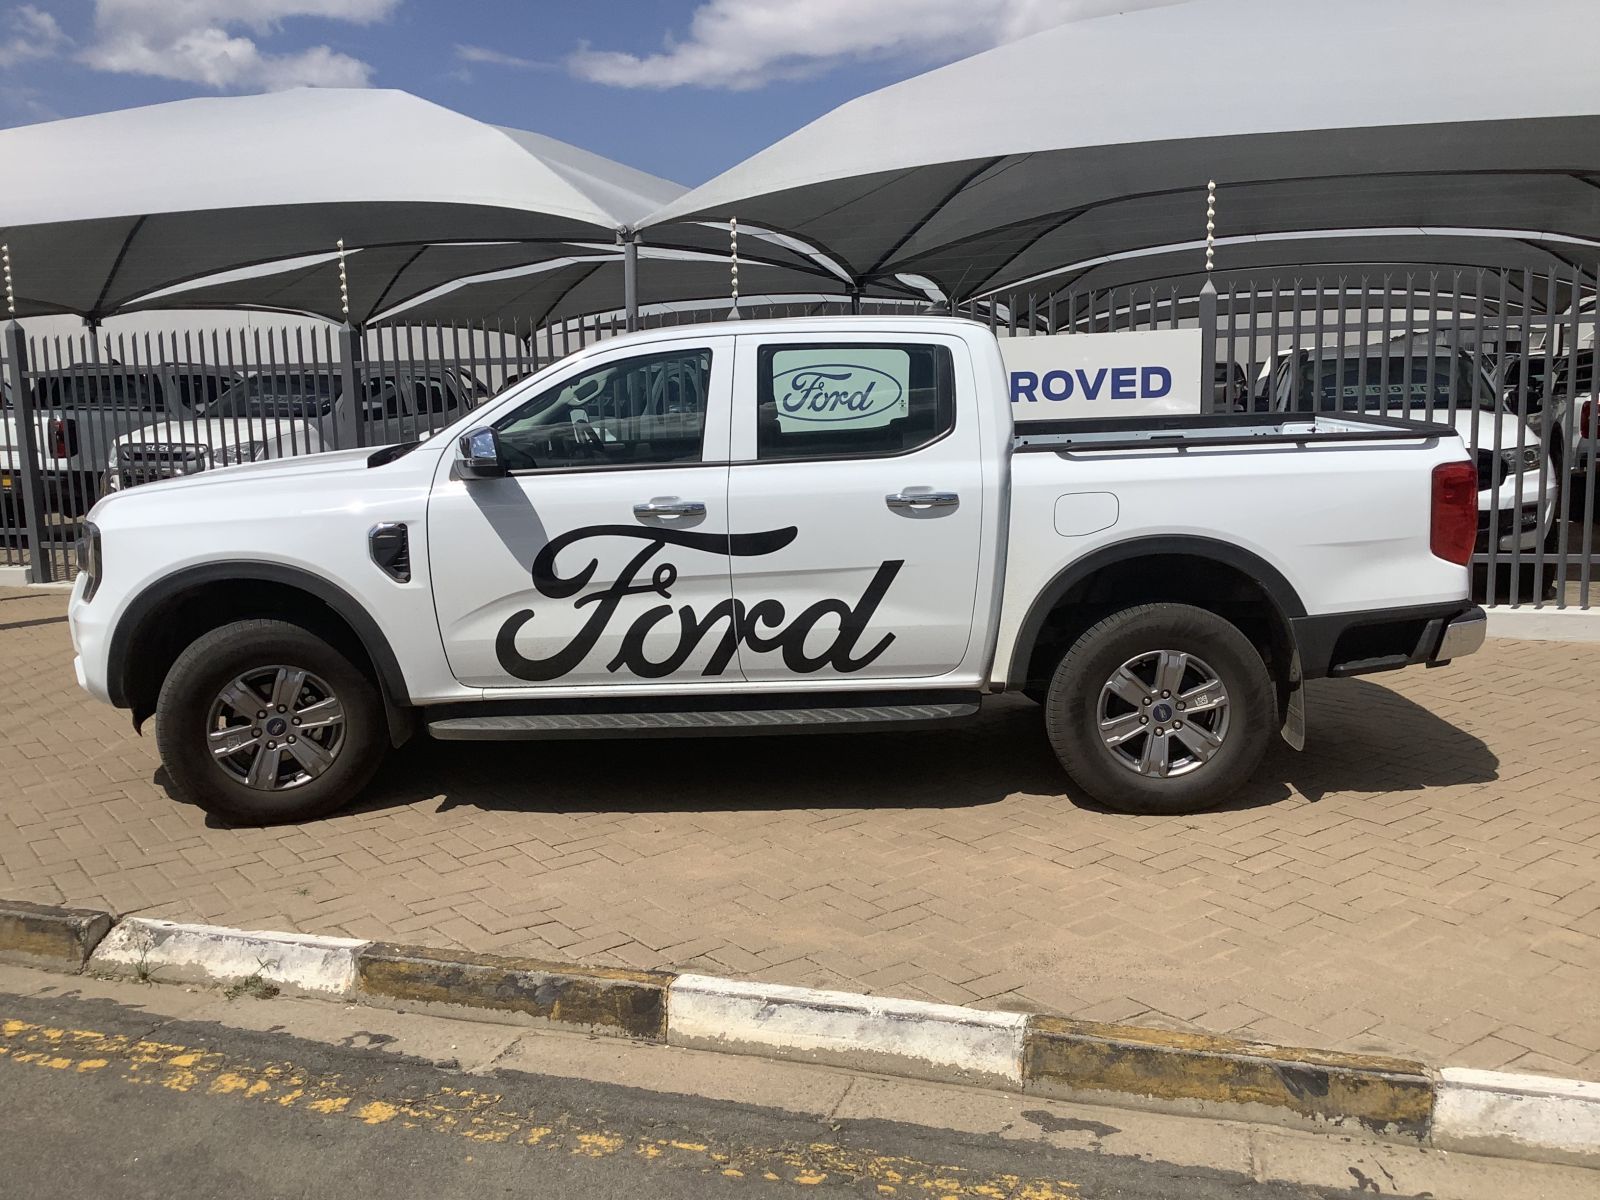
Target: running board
(717,722)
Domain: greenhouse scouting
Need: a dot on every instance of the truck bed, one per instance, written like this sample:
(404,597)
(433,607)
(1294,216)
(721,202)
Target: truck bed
(1209,431)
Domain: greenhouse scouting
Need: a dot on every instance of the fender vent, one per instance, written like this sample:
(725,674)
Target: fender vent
(391,550)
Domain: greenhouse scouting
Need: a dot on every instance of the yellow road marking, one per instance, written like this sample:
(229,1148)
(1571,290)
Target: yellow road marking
(483,1116)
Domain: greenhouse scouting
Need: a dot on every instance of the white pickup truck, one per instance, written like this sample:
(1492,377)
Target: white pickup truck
(820,524)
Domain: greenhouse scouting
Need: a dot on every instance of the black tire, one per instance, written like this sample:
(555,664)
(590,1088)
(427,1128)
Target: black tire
(1072,710)
(187,713)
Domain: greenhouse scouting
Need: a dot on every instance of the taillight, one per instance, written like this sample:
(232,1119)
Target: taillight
(63,438)
(1454,526)
(1586,419)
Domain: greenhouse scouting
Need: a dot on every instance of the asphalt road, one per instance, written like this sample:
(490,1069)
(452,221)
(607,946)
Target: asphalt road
(96,1101)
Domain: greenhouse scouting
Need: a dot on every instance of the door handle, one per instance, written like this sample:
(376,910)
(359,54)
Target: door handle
(921,500)
(670,507)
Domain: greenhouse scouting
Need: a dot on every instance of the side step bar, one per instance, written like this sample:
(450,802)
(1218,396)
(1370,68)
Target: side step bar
(710,722)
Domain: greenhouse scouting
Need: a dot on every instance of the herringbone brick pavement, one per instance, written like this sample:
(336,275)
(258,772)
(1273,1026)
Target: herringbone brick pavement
(1424,879)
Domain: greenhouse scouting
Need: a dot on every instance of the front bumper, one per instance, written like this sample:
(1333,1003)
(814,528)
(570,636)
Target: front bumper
(91,639)
(1339,645)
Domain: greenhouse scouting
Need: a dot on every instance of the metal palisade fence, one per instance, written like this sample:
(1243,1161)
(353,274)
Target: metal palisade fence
(1507,358)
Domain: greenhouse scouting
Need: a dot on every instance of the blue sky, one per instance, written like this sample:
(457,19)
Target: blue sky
(681,88)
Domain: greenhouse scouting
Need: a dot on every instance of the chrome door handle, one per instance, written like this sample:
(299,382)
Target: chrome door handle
(919,500)
(671,507)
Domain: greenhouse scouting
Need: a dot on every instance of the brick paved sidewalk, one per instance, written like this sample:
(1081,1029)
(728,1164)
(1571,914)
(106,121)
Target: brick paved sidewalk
(1425,879)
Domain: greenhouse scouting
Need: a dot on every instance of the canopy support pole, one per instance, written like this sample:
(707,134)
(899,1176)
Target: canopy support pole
(630,278)
(349,421)
(27,507)
(855,299)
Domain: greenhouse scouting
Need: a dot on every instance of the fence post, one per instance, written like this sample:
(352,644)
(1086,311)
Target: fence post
(1208,346)
(28,459)
(348,418)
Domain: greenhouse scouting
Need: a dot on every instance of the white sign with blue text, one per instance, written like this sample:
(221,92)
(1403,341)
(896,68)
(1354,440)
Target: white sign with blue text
(1134,374)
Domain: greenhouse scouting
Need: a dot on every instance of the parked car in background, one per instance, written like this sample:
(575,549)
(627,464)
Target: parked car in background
(281,414)
(1230,388)
(1513,369)
(81,412)
(1519,494)
(1568,407)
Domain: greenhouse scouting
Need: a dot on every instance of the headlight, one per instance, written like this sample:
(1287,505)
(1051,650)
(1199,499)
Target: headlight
(244,452)
(89,559)
(1526,457)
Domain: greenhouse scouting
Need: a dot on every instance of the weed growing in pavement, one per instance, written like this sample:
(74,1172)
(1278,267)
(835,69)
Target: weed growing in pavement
(143,972)
(254,985)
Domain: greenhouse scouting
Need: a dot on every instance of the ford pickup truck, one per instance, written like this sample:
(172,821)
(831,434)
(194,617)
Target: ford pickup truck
(811,524)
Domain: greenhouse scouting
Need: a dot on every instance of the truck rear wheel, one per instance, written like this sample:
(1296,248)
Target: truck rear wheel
(262,722)
(1162,708)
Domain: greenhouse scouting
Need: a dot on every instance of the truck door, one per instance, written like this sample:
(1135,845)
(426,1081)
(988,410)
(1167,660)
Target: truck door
(602,559)
(860,459)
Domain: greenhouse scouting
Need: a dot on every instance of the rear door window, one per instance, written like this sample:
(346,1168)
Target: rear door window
(851,400)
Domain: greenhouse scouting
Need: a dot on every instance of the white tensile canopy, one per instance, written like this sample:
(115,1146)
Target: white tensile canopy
(535,285)
(101,210)
(1098,137)
(1473,270)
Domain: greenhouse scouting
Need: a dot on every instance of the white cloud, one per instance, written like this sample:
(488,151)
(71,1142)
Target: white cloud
(200,41)
(30,33)
(746,44)
(498,58)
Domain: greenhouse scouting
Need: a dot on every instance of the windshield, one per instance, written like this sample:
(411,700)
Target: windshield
(137,392)
(286,395)
(1585,382)
(1387,383)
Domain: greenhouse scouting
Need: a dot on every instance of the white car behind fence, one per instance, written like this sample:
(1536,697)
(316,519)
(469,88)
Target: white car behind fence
(285,414)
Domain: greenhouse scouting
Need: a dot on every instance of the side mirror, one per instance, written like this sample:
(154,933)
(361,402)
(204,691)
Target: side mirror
(478,455)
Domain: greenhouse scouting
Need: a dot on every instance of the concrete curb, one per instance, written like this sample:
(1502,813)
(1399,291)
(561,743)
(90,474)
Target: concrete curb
(1518,1116)
(37,935)
(1547,624)
(1087,1061)
(1481,1112)
(894,1037)
(598,1000)
(172,952)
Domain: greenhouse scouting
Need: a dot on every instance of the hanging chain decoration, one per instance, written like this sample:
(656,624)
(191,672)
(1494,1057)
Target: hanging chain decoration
(5,268)
(344,285)
(733,259)
(1211,224)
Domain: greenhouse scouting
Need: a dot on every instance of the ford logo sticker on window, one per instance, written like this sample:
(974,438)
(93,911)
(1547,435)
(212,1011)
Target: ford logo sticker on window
(864,391)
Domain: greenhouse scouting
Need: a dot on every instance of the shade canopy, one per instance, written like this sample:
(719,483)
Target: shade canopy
(477,282)
(102,209)
(495,281)
(1099,136)
(1455,260)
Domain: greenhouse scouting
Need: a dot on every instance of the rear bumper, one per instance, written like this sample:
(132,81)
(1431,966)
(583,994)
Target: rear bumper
(1338,645)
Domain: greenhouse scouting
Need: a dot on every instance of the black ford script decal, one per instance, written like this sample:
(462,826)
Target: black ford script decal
(759,626)
(835,392)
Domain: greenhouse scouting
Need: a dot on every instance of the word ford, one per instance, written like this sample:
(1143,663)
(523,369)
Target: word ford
(825,393)
(758,626)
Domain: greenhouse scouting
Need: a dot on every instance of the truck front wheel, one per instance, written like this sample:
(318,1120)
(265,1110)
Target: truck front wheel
(262,722)
(1162,709)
